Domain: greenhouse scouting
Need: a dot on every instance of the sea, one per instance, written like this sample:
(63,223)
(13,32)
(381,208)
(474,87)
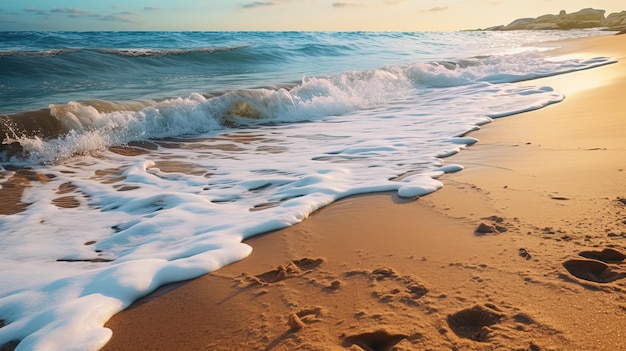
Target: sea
(134,159)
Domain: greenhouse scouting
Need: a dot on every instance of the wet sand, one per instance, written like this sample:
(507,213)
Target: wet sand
(523,250)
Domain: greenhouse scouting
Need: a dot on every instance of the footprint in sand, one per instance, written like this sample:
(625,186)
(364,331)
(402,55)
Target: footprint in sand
(380,340)
(606,255)
(496,226)
(389,286)
(593,271)
(472,323)
(294,268)
(299,320)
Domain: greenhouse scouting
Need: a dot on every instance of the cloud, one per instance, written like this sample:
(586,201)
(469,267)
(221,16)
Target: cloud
(116,18)
(346,4)
(258,4)
(364,4)
(35,11)
(120,16)
(394,2)
(150,8)
(70,11)
(438,9)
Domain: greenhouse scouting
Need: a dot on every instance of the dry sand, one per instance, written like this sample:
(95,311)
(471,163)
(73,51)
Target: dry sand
(377,273)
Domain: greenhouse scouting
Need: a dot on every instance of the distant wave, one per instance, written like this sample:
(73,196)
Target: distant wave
(166,52)
(49,52)
(133,52)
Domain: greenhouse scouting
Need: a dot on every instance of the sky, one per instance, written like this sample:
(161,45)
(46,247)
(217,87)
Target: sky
(281,15)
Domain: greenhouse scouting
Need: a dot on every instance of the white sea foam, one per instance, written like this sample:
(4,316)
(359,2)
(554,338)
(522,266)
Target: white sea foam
(178,225)
(93,125)
(183,209)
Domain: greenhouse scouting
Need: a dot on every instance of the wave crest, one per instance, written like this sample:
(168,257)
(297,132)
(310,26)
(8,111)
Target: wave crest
(83,127)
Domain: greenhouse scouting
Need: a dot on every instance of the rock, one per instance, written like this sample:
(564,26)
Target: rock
(520,23)
(585,18)
(615,19)
(500,27)
(547,18)
(544,22)
(587,14)
(542,26)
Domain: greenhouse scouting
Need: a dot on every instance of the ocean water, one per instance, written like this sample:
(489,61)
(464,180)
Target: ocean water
(150,156)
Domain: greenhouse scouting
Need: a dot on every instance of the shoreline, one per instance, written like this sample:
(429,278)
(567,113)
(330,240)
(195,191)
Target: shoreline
(371,271)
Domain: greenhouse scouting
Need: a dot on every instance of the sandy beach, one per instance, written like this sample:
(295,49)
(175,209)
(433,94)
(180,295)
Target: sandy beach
(522,250)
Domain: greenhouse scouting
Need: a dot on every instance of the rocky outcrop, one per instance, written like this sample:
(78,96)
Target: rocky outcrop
(585,18)
(616,20)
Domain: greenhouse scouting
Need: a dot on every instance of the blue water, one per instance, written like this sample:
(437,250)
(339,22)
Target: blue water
(41,68)
(150,157)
